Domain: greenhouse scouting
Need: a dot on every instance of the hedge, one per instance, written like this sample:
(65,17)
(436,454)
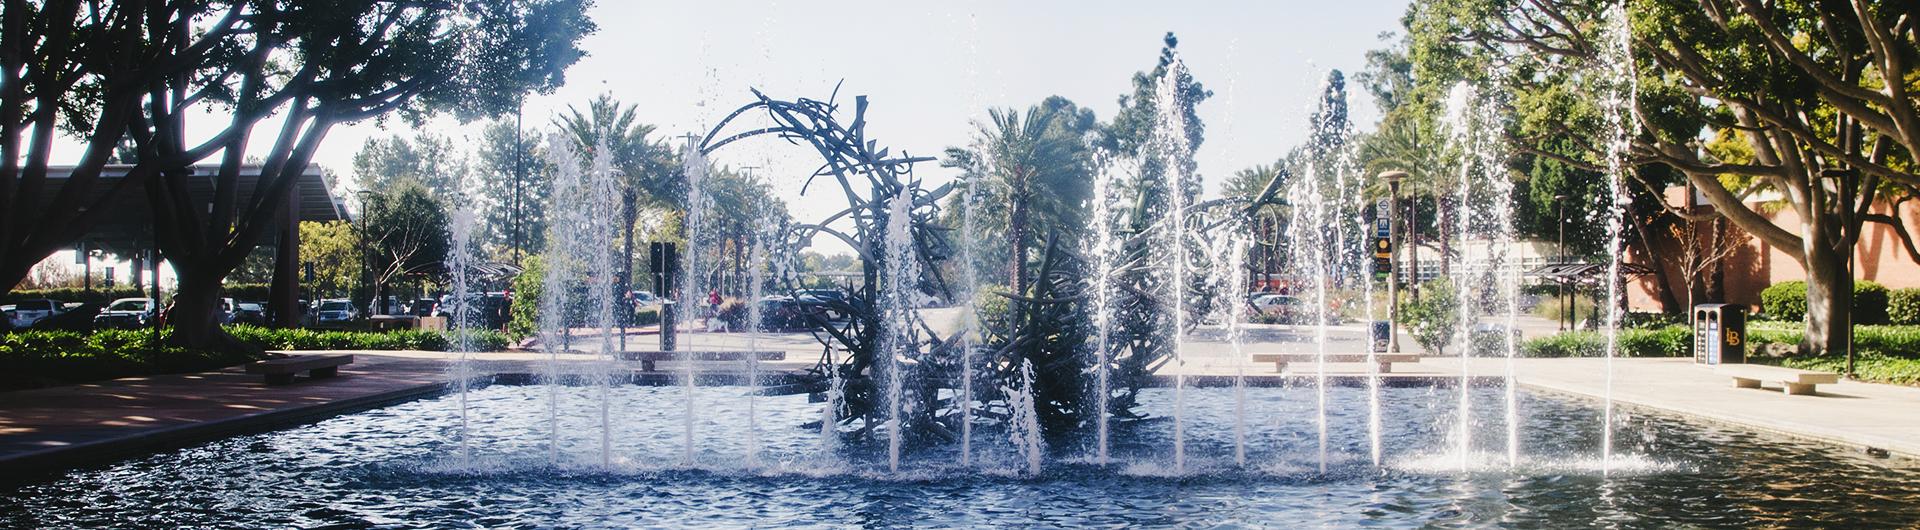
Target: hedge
(1669,341)
(1903,306)
(1788,301)
(40,358)
(311,339)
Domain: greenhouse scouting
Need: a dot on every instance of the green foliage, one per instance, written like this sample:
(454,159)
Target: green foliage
(334,249)
(1553,308)
(1785,300)
(524,319)
(1669,341)
(1788,301)
(310,339)
(70,294)
(41,358)
(1870,300)
(406,229)
(1435,318)
(1903,306)
(646,316)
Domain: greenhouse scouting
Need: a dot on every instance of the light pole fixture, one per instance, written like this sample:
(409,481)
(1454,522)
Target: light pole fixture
(1393,179)
(1566,304)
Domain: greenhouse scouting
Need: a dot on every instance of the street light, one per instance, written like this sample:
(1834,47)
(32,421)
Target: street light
(1566,306)
(1393,179)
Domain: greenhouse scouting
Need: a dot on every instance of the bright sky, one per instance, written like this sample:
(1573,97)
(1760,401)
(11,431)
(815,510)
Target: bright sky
(931,69)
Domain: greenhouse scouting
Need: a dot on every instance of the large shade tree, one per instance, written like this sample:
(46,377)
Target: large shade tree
(1037,167)
(313,66)
(1816,101)
(647,175)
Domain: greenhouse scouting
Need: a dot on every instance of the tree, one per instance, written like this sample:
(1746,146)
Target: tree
(86,74)
(515,182)
(429,159)
(1038,162)
(404,233)
(315,65)
(646,169)
(1823,95)
(1133,129)
(333,247)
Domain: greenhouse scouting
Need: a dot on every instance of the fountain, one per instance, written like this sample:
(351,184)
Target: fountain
(1618,94)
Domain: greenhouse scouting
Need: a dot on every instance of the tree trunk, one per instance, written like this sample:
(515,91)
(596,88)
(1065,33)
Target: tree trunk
(195,315)
(1446,214)
(1412,226)
(1017,230)
(1829,298)
(1668,302)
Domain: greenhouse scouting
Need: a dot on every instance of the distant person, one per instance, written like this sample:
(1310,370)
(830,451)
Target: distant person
(713,301)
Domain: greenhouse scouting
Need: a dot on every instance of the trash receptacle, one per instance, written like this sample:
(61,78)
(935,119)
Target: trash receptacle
(1719,334)
(1382,334)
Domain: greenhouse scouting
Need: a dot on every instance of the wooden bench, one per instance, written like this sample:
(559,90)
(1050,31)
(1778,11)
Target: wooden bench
(280,371)
(1386,360)
(647,358)
(1793,381)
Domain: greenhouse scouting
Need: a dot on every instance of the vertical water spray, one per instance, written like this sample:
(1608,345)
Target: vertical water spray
(1459,121)
(969,280)
(457,266)
(1105,247)
(897,308)
(1617,106)
(695,166)
(1229,269)
(757,277)
(1176,155)
(562,265)
(1024,426)
(602,188)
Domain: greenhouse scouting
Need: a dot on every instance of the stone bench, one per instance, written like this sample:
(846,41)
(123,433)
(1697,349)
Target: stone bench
(1385,360)
(281,371)
(1793,381)
(647,358)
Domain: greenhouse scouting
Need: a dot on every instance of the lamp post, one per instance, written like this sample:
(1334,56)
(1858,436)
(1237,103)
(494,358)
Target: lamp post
(1393,179)
(366,272)
(1561,247)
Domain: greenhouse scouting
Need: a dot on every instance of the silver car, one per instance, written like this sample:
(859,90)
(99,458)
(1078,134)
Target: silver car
(26,313)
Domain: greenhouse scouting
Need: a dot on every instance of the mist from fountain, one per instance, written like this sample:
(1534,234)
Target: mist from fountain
(561,260)
(756,286)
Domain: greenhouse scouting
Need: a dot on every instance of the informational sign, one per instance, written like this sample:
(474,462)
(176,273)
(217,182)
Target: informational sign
(1382,240)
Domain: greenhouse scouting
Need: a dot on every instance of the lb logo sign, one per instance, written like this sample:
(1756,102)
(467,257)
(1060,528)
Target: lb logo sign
(1733,337)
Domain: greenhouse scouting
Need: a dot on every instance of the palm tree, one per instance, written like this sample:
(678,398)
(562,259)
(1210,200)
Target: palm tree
(1405,143)
(646,167)
(1026,152)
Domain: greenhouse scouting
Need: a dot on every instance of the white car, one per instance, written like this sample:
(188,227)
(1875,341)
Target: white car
(125,313)
(26,313)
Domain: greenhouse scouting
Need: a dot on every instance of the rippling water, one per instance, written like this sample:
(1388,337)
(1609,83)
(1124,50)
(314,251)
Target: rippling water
(401,467)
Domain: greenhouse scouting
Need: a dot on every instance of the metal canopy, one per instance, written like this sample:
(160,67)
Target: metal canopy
(1584,273)
(129,225)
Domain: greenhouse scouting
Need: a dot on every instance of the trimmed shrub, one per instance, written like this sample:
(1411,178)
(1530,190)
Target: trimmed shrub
(1903,306)
(410,339)
(1669,341)
(524,314)
(31,359)
(1869,302)
(1785,300)
(1788,301)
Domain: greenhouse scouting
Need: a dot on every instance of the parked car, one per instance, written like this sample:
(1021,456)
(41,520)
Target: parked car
(644,298)
(228,310)
(74,316)
(126,313)
(1284,308)
(26,313)
(424,307)
(335,314)
(249,313)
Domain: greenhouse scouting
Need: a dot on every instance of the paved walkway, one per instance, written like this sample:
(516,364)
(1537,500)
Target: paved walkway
(58,427)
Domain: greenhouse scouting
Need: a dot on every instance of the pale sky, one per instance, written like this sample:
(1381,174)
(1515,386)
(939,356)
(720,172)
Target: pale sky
(931,69)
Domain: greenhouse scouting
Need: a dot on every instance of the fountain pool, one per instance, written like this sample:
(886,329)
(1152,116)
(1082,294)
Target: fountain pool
(402,466)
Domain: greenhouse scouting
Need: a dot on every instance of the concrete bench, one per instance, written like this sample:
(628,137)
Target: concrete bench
(1794,382)
(647,358)
(280,371)
(1386,360)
